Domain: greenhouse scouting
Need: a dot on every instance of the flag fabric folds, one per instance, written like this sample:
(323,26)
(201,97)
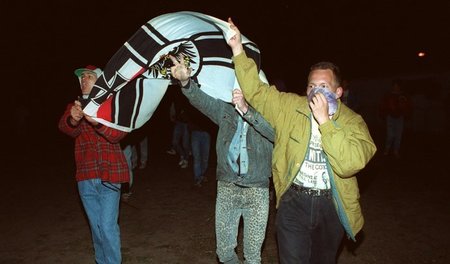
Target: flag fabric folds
(137,76)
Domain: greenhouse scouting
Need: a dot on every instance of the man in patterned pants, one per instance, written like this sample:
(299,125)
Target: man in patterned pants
(244,152)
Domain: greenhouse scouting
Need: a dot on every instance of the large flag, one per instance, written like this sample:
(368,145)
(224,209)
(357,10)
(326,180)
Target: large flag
(135,79)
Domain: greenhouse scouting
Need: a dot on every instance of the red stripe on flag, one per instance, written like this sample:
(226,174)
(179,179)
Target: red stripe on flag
(138,73)
(104,111)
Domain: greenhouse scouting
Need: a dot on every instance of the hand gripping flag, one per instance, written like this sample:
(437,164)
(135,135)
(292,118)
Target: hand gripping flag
(136,78)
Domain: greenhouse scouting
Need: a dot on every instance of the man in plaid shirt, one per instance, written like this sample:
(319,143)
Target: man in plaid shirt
(101,168)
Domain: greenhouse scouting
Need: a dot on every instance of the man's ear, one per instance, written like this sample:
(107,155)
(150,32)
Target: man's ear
(339,92)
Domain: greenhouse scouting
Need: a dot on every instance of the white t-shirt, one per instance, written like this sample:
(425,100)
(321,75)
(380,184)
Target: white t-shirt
(314,173)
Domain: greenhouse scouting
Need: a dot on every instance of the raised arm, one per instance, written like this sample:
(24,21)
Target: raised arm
(179,70)
(204,103)
(236,41)
(264,98)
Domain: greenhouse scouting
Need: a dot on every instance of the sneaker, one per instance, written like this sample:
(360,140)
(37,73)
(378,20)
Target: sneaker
(171,152)
(183,164)
(198,184)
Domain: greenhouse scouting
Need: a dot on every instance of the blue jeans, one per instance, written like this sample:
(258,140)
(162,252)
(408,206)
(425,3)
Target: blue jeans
(252,204)
(131,156)
(181,133)
(101,204)
(308,229)
(200,141)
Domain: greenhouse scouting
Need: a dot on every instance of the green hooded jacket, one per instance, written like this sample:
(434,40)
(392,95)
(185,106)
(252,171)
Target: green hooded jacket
(346,141)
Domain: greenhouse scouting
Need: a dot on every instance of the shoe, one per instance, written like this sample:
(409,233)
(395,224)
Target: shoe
(171,152)
(198,183)
(183,164)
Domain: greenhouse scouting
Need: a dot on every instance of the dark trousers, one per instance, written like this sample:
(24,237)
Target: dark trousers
(308,229)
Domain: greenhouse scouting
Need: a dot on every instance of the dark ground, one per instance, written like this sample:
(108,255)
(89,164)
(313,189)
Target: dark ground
(168,220)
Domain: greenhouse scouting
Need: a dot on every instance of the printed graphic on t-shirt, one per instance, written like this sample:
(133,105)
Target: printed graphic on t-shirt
(314,173)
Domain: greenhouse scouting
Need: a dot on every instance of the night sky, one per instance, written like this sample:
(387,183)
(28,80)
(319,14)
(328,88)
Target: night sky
(44,41)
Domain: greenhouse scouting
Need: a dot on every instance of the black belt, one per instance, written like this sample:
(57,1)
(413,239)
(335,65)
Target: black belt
(311,192)
(241,186)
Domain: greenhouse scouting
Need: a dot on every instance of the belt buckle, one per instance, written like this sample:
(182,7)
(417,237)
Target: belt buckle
(309,191)
(312,192)
(316,192)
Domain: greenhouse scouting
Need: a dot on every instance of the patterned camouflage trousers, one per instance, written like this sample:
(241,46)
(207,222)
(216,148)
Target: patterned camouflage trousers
(233,202)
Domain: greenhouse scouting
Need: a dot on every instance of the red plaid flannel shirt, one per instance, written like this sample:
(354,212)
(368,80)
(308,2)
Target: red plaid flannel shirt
(97,150)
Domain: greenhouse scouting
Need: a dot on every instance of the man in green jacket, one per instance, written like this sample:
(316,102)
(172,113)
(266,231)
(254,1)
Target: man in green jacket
(320,144)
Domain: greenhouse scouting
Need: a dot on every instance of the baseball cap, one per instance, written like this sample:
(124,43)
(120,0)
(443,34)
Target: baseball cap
(90,68)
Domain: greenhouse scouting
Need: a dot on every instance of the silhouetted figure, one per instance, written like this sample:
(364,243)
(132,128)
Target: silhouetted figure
(200,127)
(135,149)
(395,107)
(180,135)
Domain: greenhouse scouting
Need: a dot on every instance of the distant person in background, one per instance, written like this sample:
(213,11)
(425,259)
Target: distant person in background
(395,108)
(180,135)
(199,127)
(346,92)
(172,150)
(244,150)
(140,152)
(131,164)
(135,148)
(101,168)
(349,96)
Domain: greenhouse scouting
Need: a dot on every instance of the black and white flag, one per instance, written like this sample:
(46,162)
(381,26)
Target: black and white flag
(136,78)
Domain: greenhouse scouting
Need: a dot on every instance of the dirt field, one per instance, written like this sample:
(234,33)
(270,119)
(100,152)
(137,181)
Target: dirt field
(168,220)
